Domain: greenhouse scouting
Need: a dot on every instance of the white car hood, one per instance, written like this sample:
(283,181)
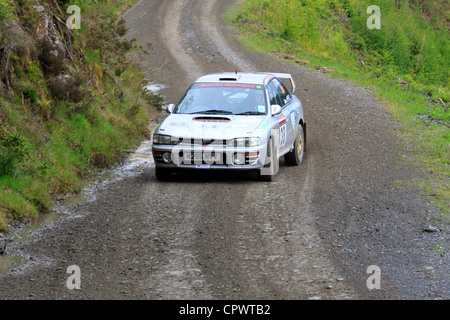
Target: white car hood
(210,126)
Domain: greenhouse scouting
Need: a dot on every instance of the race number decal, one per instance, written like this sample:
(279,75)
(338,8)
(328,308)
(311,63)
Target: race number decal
(293,121)
(283,133)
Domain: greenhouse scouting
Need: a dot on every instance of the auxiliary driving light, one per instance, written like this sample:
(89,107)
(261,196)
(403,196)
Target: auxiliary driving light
(239,158)
(167,157)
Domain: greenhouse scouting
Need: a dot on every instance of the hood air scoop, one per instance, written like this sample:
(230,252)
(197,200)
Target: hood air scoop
(213,119)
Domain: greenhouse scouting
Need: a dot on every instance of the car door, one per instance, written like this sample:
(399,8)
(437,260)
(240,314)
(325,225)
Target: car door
(278,94)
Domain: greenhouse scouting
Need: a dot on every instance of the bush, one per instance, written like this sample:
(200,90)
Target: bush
(50,57)
(13,150)
(67,86)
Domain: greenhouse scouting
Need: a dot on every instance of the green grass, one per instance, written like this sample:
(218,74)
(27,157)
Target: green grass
(6,11)
(332,34)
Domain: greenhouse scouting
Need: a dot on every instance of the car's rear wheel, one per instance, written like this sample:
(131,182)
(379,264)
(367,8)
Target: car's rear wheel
(295,157)
(267,173)
(162,173)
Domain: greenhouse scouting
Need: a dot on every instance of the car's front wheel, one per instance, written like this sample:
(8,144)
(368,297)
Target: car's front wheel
(295,156)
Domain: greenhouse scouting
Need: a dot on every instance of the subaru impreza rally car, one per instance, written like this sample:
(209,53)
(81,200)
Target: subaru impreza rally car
(232,121)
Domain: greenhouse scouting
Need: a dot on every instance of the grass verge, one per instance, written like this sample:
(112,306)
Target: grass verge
(420,109)
(63,116)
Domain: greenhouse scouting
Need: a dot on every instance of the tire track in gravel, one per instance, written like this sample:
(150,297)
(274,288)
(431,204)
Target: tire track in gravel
(216,37)
(267,247)
(241,257)
(174,39)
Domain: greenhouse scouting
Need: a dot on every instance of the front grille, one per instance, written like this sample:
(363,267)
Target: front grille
(203,142)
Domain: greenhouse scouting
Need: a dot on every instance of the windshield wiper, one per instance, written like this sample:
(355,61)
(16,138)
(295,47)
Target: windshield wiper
(250,113)
(213,111)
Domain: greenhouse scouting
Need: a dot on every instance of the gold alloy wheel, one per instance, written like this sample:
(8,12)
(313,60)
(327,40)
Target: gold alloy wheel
(300,145)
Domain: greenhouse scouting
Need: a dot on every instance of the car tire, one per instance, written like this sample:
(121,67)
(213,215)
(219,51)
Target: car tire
(272,166)
(295,157)
(162,173)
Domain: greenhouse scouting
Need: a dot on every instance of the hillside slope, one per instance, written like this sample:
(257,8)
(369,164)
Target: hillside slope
(70,100)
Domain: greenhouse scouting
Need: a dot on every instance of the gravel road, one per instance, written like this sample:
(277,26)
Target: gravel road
(310,234)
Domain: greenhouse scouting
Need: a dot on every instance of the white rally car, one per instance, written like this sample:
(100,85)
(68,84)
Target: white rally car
(232,121)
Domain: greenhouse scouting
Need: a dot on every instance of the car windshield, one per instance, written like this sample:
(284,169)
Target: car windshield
(223,98)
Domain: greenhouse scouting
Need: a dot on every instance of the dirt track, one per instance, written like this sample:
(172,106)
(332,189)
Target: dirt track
(310,234)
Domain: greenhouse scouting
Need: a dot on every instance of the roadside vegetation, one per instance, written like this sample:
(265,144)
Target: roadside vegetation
(406,63)
(71,101)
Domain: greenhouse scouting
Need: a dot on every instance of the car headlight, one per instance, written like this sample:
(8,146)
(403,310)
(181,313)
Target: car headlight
(243,142)
(165,139)
(253,141)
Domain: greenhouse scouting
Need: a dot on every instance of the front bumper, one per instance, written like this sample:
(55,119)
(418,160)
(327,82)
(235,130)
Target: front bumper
(216,157)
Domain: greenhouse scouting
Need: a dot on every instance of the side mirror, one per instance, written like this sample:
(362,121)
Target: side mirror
(169,108)
(275,109)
